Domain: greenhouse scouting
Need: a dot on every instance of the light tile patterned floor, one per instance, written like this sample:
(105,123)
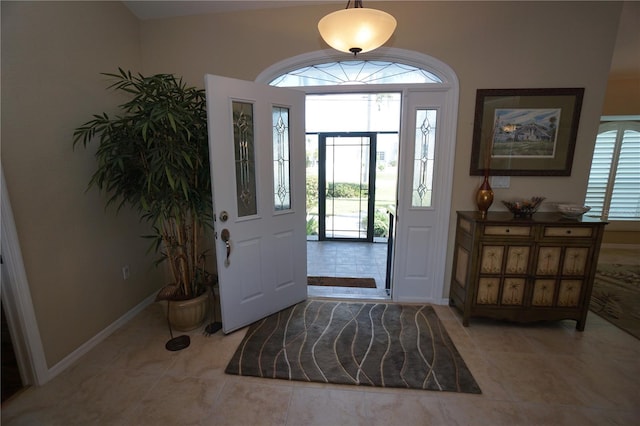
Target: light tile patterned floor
(347,259)
(537,374)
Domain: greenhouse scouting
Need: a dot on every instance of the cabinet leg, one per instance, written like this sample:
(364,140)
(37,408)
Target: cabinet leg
(580,325)
(465,321)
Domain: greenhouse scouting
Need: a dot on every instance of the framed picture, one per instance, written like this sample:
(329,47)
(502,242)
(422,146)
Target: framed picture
(525,132)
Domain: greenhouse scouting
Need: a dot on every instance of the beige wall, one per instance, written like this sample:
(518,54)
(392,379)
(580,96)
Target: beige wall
(52,54)
(623,88)
(623,96)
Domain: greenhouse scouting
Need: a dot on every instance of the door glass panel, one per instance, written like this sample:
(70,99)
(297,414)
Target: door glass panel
(347,186)
(386,182)
(353,112)
(312,158)
(245,158)
(355,72)
(425,141)
(281,164)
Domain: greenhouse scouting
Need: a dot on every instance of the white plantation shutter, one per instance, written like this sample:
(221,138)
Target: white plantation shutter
(625,200)
(600,168)
(614,182)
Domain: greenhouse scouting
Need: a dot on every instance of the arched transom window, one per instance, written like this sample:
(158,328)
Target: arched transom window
(355,72)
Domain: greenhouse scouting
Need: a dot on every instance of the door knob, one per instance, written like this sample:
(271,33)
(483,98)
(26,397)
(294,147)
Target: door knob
(224,235)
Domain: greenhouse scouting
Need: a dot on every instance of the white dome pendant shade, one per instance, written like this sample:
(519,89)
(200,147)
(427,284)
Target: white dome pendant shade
(357,30)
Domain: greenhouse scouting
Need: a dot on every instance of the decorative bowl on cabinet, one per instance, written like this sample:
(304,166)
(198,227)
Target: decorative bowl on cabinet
(572,211)
(523,207)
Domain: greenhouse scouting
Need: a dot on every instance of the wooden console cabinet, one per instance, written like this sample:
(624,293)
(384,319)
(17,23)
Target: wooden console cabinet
(524,269)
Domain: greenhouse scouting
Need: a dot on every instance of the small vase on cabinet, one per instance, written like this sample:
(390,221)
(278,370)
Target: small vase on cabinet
(484,197)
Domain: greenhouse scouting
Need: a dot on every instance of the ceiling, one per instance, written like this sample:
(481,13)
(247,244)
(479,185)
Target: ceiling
(625,62)
(167,9)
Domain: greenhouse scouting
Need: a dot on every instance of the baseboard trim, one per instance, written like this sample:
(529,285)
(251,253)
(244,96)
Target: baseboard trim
(421,300)
(70,359)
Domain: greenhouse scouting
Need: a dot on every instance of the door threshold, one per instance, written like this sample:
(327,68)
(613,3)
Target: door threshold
(347,293)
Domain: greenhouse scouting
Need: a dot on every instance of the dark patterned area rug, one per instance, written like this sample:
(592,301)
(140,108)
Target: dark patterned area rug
(616,296)
(342,282)
(369,344)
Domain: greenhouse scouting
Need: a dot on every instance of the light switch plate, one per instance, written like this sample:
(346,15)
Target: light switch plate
(500,181)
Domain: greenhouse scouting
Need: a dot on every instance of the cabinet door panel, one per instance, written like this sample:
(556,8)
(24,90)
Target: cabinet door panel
(491,260)
(513,291)
(488,291)
(569,294)
(462,267)
(575,261)
(543,291)
(548,260)
(465,225)
(517,260)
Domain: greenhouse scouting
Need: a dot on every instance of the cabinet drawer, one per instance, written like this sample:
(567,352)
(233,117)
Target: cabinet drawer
(567,231)
(519,231)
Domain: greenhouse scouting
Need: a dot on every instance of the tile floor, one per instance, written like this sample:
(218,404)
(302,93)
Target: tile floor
(347,259)
(538,374)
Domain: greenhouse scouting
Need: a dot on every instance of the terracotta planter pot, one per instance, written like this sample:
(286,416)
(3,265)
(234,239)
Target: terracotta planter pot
(185,315)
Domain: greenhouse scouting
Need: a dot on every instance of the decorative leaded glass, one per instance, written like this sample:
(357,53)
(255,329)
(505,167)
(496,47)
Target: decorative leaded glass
(243,143)
(425,141)
(281,163)
(355,72)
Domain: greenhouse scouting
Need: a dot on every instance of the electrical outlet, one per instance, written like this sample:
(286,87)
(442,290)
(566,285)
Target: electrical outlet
(125,272)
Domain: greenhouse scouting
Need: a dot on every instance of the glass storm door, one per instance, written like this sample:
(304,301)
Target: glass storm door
(346,185)
(257,151)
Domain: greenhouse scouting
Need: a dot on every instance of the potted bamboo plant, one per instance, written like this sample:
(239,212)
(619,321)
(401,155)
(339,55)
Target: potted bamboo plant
(153,157)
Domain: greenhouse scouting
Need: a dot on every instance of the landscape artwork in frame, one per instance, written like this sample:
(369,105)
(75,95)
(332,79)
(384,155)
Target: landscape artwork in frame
(525,132)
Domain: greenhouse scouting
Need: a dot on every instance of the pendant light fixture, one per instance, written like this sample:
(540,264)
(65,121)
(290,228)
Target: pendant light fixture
(356,30)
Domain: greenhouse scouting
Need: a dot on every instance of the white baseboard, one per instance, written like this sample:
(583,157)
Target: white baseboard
(420,300)
(70,359)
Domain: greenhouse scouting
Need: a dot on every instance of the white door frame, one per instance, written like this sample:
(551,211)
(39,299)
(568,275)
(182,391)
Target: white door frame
(17,301)
(446,154)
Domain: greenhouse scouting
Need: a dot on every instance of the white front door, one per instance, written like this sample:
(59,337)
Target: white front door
(424,194)
(257,151)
